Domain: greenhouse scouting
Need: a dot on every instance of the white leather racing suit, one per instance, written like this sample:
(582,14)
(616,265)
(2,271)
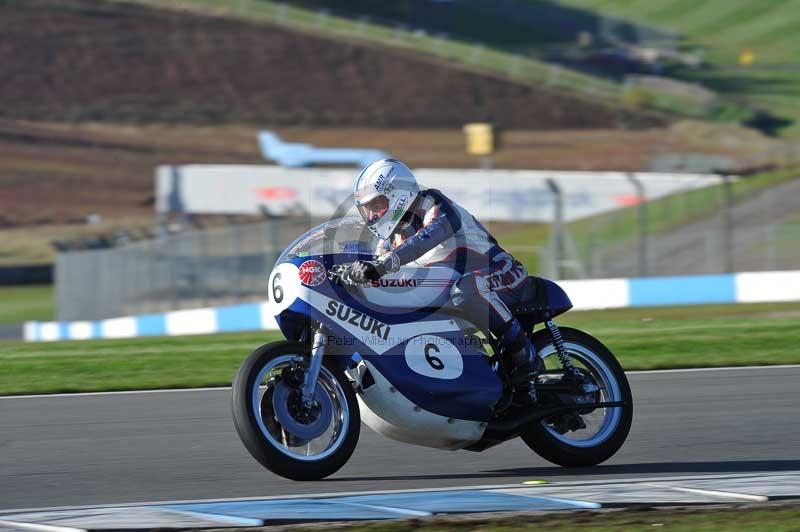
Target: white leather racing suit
(437,230)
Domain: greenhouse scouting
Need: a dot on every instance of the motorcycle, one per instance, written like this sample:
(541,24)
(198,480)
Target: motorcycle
(396,355)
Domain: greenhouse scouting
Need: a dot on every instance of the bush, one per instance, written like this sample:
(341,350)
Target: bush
(637,97)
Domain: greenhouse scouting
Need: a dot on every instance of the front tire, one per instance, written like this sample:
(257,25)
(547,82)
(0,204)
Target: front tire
(280,451)
(606,428)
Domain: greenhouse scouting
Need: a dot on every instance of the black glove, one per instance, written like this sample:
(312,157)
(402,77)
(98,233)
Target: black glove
(362,271)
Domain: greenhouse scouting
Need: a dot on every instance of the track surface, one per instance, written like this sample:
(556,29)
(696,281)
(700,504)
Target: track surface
(137,447)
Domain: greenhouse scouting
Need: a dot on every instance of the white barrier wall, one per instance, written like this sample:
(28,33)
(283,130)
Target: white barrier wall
(589,294)
(497,195)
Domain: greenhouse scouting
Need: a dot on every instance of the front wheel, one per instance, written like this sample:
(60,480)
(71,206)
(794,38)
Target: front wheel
(583,437)
(289,438)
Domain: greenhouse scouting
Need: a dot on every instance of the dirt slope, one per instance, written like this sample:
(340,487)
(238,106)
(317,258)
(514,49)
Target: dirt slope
(91,60)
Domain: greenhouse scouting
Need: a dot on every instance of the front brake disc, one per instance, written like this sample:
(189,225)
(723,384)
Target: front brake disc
(308,427)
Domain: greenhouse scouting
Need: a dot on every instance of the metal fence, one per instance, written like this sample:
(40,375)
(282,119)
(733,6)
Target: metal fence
(195,268)
(731,227)
(727,231)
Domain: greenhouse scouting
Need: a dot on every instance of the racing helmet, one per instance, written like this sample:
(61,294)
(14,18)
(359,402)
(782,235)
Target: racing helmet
(384,192)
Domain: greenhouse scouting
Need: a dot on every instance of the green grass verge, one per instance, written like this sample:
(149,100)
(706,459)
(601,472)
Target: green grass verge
(21,303)
(772,517)
(698,336)
(134,364)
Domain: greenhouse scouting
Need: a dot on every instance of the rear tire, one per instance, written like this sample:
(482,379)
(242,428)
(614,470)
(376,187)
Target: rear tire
(563,449)
(250,405)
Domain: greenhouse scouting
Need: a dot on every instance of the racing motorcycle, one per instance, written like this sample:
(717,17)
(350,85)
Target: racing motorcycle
(396,355)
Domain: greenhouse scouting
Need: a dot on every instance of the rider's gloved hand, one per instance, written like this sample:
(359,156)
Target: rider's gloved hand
(361,271)
(366,270)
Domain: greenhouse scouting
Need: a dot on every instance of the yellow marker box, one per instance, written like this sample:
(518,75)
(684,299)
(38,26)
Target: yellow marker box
(480,138)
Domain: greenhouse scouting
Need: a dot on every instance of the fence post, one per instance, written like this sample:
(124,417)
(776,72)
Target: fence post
(322,19)
(237,253)
(727,222)
(361,26)
(771,251)
(556,230)
(641,224)
(513,66)
(476,52)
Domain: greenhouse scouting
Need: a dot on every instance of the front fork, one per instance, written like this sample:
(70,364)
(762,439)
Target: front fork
(314,365)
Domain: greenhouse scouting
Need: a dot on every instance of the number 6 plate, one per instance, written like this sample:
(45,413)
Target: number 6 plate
(434,356)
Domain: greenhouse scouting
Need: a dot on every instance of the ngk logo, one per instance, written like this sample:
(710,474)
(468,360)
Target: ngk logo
(312,273)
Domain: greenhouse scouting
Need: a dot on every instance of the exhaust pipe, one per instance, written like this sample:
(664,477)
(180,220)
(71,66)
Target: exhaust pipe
(509,425)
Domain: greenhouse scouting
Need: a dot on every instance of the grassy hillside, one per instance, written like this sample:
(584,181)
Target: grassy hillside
(498,46)
(722,29)
(533,44)
(125,62)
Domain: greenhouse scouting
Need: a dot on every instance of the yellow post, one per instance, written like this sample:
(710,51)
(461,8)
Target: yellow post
(747,57)
(480,138)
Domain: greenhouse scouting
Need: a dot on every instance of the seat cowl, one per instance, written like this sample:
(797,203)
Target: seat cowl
(541,299)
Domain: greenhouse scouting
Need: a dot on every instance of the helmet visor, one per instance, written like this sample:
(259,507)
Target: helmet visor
(373,210)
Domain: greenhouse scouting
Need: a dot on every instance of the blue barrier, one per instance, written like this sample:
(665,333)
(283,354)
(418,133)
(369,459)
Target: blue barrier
(688,290)
(585,294)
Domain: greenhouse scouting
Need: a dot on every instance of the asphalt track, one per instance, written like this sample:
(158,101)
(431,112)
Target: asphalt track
(167,446)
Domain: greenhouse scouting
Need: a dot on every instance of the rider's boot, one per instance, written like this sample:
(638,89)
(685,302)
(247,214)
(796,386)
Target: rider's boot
(527,363)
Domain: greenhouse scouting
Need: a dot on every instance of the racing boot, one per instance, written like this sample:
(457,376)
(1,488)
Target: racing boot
(527,363)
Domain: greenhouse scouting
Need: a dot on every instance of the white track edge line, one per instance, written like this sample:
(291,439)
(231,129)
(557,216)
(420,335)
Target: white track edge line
(518,485)
(227,388)
(584,505)
(712,493)
(219,518)
(721,368)
(391,509)
(121,392)
(40,528)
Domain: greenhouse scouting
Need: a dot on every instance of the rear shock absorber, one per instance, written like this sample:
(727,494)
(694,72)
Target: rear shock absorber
(558,342)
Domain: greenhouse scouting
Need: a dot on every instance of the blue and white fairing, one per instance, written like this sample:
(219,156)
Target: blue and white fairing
(396,328)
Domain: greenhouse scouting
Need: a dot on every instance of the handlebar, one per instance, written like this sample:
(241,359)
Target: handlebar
(338,275)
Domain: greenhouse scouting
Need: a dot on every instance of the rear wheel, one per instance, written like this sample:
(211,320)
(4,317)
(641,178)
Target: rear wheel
(285,436)
(583,437)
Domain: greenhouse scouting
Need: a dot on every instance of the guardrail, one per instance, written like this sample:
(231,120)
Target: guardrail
(585,294)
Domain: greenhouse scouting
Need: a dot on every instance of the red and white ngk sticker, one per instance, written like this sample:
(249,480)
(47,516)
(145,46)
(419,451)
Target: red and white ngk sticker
(312,273)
